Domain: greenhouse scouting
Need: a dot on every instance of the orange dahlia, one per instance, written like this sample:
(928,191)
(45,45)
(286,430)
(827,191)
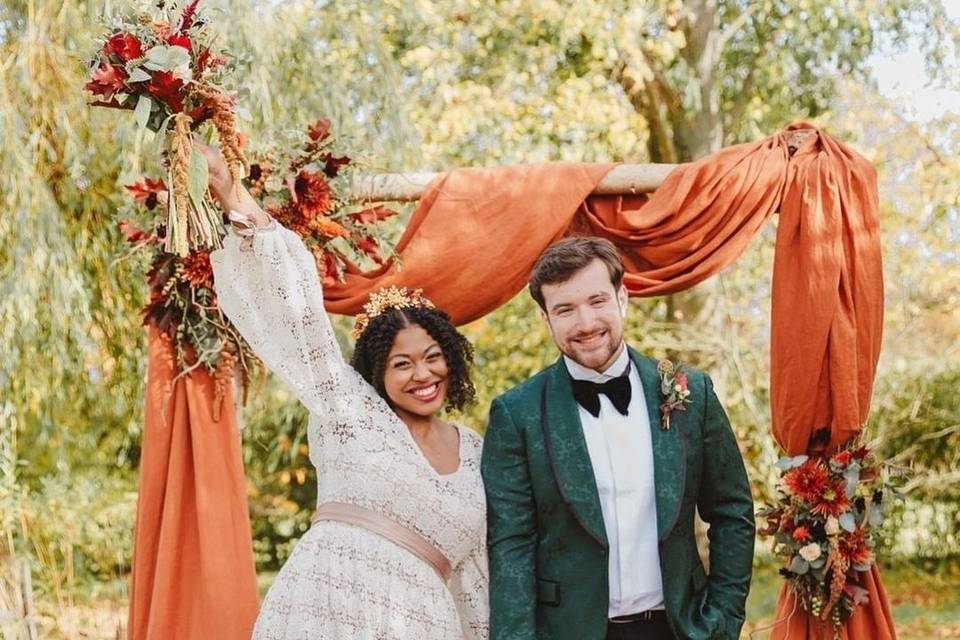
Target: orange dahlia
(312,193)
(807,481)
(832,501)
(197,269)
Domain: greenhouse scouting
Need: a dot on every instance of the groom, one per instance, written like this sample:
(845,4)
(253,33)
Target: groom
(591,499)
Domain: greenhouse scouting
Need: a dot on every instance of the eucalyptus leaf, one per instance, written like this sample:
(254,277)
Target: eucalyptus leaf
(138,75)
(848,522)
(783,464)
(876,516)
(142,112)
(799,566)
(819,562)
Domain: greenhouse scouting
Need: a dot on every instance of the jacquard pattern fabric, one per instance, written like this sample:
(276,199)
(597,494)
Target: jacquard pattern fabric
(342,581)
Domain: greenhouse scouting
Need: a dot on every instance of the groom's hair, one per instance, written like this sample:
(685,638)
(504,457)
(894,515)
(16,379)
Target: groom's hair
(564,258)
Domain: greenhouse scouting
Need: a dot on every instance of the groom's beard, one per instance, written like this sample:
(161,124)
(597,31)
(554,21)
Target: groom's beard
(594,350)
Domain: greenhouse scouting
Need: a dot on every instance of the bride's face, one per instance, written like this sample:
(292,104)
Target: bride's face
(416,373)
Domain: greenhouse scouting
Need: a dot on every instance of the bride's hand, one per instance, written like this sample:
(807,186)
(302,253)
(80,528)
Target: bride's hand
(220,180)
(242,209)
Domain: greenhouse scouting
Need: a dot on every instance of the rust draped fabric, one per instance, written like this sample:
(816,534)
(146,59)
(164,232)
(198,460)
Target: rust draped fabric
(470,245)
(193,572)
(476,233)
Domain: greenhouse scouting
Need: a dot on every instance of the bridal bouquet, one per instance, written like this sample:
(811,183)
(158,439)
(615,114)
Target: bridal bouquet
(824,527)
(164,66)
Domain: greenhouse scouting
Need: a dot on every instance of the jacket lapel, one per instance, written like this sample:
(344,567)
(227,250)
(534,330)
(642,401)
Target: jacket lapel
(567,450)
(669,449)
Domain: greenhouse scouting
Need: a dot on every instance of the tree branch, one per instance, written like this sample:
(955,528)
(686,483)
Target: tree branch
(644,100)
(735,26)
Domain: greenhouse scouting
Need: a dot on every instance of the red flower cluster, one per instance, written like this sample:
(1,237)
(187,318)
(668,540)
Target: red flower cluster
(197,269)
(801,534)
(124,46)
(832,501)
(808,481)
(135,60)
(855,547)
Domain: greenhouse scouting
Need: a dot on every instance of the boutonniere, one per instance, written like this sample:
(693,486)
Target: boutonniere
(674,393)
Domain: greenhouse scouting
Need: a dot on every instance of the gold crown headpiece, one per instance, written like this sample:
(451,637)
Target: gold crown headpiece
(388,298)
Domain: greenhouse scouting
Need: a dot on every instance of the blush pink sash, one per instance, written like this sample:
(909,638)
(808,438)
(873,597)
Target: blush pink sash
(389,529)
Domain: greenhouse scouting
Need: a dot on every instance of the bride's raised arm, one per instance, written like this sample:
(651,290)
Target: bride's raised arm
(267,285)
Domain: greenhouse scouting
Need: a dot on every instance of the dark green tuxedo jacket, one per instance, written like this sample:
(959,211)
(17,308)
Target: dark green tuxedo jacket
(548,544)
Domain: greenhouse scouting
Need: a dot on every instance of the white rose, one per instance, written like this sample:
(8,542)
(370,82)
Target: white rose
(685,393)
(810,552)
(832,527)
(677,387)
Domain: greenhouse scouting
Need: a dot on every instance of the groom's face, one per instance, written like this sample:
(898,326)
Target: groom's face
(585,315)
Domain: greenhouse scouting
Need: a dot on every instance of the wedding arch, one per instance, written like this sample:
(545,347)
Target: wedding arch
(193,569)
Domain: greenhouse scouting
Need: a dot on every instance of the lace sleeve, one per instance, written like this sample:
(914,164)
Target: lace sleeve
(469,586)
(267,285)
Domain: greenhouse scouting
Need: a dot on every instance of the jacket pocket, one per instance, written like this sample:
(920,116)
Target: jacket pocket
(548,592)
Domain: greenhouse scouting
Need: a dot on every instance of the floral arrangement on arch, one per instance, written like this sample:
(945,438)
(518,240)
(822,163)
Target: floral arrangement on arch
(300,188)
(824,525)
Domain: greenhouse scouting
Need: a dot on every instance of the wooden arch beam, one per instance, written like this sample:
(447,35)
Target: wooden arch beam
(405,187)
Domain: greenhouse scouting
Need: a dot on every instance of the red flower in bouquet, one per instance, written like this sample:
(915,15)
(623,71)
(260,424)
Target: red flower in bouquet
(125,46)
(182,41)
(832,501)
(842,459)
(168,88)
(106,80)
(801,534)
(197,269)
(855,547)
(312,193)
(808,481)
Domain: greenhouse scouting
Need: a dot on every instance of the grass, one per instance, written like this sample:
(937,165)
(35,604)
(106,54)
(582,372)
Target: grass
(924,597)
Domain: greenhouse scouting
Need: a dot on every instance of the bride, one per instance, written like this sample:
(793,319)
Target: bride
(397,548)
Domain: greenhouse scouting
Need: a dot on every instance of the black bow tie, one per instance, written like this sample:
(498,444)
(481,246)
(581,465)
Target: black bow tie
(587,394)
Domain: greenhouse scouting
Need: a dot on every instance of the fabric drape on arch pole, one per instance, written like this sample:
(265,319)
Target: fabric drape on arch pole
(475,234)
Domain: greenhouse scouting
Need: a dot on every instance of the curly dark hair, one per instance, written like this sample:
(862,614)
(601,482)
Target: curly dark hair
(374,344)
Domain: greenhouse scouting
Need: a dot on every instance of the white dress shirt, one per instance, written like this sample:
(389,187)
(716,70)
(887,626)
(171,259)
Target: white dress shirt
(621,453)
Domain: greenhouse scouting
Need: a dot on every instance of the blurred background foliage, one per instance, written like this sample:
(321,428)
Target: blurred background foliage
(414,85)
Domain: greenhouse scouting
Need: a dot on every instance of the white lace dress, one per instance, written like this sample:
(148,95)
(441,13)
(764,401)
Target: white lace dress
(342,581)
